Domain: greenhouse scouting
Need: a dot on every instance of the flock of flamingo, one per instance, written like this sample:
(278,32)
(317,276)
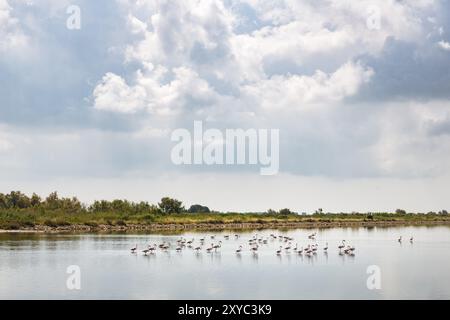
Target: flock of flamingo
(253,245)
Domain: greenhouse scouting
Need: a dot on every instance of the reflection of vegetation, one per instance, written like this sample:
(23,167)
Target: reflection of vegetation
(17,210)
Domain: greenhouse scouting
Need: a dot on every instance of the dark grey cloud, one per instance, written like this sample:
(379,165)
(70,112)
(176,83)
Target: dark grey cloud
(408,71)
(49,86)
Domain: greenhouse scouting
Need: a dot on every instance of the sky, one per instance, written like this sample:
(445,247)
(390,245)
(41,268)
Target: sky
(359,91)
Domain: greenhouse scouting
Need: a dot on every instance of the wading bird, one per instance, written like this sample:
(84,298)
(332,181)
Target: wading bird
(217,246)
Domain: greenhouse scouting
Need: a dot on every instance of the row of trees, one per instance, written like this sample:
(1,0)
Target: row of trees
(19,200)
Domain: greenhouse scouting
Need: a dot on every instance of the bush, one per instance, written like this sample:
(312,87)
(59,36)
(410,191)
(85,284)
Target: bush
(170,206)
(285,212)
(197,208)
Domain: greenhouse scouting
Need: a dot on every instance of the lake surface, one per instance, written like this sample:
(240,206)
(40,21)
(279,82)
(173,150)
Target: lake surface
(34,266)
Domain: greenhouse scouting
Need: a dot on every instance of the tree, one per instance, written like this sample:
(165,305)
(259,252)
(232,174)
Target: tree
(169,205)
(52,201)
(271,212)
(35,200)
(3,201)
(16,199)
(400,211)
(319,211)
(285,212)
(443,212)
(197,208)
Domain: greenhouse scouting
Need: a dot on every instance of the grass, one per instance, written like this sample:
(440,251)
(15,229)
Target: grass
(14,219)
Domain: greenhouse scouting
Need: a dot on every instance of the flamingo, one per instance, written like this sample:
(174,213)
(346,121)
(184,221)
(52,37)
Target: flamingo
(210,248)
(254,249)
(279,251)
(342,245)
(133,250)
(300,251)
(326,247)
(288,247)
(239,249)
(217,246)
(411,240)
(400,239)
(198,249)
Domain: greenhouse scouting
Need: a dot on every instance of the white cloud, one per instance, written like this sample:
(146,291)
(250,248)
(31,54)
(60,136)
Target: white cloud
(11,36)
(5,145)
(296,92)
(201,38)
(444,45)
(150,94)
(114,94)
(406,145)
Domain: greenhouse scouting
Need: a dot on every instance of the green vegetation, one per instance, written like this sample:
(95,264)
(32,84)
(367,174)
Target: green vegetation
(18,211)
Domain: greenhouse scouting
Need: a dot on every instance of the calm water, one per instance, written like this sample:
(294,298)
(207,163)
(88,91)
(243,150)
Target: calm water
(34,266)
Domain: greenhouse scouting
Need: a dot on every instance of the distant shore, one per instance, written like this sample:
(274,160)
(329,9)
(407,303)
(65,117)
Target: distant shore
(223,226)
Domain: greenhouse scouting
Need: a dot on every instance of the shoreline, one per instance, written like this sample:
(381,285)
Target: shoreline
(224,226)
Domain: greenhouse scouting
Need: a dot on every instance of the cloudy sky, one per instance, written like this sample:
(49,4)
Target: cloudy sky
(360,91)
